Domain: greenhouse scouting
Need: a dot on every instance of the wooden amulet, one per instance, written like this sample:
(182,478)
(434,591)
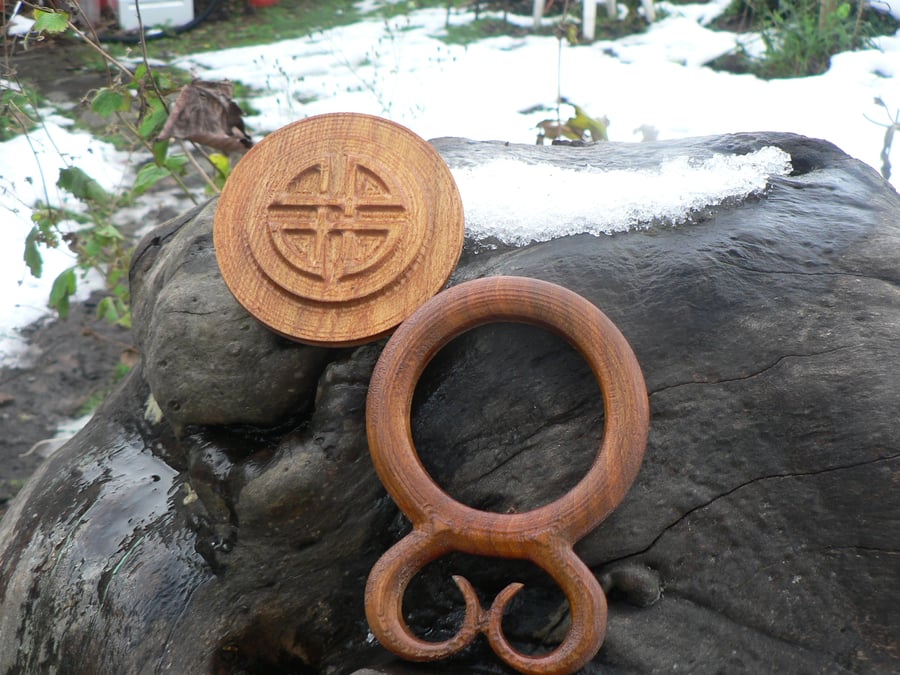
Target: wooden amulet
(333,229)
(544,535)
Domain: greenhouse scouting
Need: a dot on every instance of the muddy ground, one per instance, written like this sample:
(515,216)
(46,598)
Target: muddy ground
(72,364)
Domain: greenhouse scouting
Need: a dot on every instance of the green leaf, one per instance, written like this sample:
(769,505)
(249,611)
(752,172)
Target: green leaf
(32,254)
(583,122)
(82,186)
(109,101)
(148,176)
(122,293)
(18,113)
(92,247)
(163,80)
(116,275)
(106,310)
(153,120)
(49,21)
(176,163)
(160,148)
(114,311)
(63,286)
(220,161)
(108,230)
(137,81)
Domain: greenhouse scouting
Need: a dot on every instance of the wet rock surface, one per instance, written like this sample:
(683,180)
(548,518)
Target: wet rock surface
(234,531)
(223,367)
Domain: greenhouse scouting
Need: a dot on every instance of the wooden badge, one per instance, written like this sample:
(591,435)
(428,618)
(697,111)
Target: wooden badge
(334,229)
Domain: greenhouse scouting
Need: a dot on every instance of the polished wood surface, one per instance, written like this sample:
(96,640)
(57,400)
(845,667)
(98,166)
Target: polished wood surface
(544,535)
(334,229)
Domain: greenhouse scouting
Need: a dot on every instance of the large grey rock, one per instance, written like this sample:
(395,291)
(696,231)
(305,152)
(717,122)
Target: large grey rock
(206,360)
(761,534)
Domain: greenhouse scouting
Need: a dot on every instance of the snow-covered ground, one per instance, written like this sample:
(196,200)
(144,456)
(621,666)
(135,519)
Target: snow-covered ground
(29,169)
(495,89)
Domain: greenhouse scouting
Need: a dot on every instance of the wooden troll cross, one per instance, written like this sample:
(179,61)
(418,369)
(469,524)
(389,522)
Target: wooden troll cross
(352,233)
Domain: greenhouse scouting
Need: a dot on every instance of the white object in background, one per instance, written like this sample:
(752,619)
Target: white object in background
(589,14)
(19,25)
(589,19)
(154,13)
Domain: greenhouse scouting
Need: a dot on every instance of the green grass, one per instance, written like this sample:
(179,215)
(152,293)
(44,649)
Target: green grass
(798,41)
(465,34)
(231,25)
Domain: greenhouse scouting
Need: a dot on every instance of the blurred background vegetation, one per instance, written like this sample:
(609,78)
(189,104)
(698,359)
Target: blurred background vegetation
(126,87)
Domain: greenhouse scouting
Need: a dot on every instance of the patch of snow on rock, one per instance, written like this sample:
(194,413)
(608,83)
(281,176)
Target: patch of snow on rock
(519,203)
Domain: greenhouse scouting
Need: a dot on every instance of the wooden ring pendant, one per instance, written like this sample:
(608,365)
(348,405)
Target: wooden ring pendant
(544,535)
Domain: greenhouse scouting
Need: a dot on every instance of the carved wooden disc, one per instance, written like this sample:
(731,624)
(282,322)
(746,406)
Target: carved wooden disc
(334,229)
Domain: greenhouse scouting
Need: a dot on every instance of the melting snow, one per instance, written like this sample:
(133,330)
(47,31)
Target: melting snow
(518,203)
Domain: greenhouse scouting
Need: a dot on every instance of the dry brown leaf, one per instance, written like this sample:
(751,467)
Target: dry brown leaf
(205,113)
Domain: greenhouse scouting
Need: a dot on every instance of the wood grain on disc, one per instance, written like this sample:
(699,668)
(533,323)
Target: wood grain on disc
(334,229)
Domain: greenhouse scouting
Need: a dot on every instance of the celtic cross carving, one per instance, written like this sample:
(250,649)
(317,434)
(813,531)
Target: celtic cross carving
(336,218)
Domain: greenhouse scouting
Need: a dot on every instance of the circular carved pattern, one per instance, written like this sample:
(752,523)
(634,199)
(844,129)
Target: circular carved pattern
(334,229)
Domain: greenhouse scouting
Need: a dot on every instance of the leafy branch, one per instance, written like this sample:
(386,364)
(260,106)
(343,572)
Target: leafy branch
(135,103)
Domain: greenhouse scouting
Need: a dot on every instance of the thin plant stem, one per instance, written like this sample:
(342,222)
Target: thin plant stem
(146,58)
(559,43)
(131,128)
(199,168)
(165,105)
(105,54)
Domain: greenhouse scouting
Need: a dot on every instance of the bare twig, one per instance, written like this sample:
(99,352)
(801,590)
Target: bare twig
(889,130)
(561,31)
(146,58)
(125,70)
